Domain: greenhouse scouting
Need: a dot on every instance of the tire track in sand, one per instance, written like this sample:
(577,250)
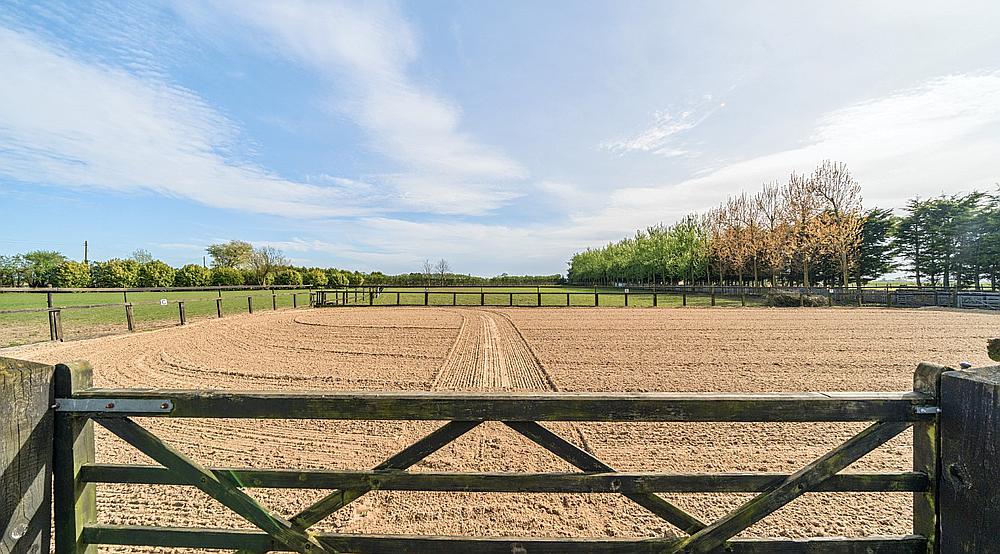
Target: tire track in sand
(490,354)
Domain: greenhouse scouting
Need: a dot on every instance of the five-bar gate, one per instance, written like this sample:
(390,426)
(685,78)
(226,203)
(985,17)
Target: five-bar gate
(78,407)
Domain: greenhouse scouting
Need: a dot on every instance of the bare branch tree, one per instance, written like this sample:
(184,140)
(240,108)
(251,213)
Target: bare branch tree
(803,208)
(428,271)
(841,212)
(442,269)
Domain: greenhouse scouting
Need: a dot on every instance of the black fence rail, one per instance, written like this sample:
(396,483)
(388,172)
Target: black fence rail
(58,407)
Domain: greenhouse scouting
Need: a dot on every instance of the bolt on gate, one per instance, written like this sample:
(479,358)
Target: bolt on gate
(953,482)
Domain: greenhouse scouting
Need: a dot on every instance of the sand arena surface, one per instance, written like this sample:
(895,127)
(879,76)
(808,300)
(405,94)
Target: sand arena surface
(587,349)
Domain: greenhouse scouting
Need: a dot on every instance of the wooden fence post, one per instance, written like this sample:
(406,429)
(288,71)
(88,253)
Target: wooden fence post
(274,301)
(218,307)
(295,300)
(426,297)
(181,313)
(626,299)
(26,418)
(969,487)
(53,334)
(654,298)
(684,297)
(482,298)
(597,298)
(397,298)
(250,304)
(56,315)
(926,455)
(567,299)
(539,291)
(73,446)
(712,292)
(511,300)
(129,317)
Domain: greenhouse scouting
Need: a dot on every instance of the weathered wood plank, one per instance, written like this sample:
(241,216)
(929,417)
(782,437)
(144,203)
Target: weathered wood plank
(646,482)
(75,503)
(221,489)
(970,461)
(26,431)
(534,406)
(179,537)
(587,462)
(821,469)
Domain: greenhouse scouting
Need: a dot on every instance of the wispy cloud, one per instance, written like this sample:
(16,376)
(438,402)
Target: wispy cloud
(71,122)
(938,137)
(367,48)
(662,137)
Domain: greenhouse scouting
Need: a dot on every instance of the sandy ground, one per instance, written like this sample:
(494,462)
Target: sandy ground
(587,349)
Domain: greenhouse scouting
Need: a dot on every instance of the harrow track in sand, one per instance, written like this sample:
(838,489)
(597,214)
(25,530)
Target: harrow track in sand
(489,354)
(753,350)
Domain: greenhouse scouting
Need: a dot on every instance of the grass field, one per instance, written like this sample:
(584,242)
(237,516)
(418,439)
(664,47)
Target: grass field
(79,322)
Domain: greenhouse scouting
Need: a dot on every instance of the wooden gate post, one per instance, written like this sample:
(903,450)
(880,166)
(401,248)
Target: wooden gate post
(218,307)
(250,304)
(26,396)
(129,317)
(926,455)
(970,464)
(181,313)
(73,446)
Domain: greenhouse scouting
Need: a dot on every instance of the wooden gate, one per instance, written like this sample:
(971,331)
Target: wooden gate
(78,407)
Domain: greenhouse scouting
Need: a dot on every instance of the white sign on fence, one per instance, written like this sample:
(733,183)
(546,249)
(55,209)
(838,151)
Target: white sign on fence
(163,301)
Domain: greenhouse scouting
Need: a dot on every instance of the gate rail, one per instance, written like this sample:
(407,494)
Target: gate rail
(76,406)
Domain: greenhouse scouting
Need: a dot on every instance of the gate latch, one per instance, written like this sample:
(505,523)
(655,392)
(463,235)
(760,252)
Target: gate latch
(927,410)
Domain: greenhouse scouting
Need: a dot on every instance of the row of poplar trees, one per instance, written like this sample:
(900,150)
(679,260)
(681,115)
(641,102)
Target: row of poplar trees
(810,230)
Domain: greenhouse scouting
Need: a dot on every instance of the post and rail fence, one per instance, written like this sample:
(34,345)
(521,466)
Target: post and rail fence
(651,296)
(476,295)
(55,312)
(955,477)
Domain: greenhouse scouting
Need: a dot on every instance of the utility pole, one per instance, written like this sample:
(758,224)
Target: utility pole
(84,251)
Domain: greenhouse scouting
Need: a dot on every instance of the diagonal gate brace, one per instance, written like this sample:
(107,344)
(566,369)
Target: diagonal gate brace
(585,461)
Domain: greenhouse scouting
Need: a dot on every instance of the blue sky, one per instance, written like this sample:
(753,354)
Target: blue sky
(502,136)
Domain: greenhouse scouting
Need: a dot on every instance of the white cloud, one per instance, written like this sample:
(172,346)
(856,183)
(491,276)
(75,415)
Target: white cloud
(940,137)
(67,122)
(662,137)
(368,47)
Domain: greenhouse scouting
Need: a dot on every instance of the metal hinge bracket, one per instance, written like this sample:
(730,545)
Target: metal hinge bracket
(115,405)
(926,410)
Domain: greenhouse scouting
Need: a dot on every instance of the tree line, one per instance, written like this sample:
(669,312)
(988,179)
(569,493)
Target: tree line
(233,263)
(810,230)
